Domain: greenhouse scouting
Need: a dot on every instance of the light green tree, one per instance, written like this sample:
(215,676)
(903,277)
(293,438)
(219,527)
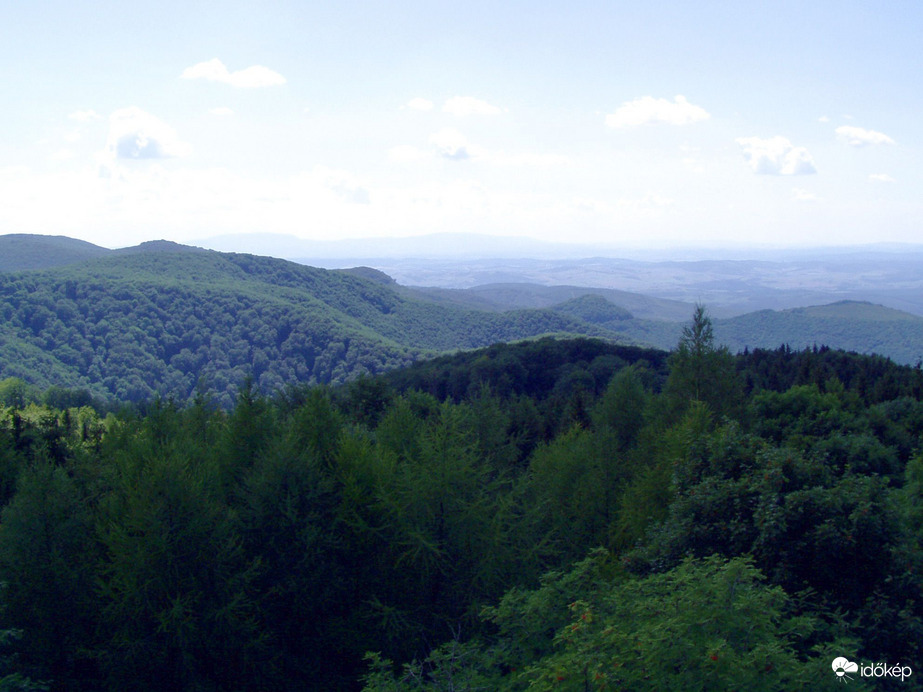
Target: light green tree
(710,624)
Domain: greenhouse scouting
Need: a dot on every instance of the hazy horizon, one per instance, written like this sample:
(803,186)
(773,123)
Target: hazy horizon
(461,246)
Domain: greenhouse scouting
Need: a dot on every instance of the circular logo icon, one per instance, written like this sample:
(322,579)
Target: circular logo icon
(842,665)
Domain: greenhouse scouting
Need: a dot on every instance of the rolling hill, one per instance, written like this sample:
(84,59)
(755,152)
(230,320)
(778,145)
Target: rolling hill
(165,319)
(848,325)
(20,251)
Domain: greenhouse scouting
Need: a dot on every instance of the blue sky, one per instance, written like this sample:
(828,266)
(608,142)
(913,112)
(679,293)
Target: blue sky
(627,123)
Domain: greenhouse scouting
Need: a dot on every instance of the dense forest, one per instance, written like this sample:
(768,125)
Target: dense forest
(554,514)
(171,320)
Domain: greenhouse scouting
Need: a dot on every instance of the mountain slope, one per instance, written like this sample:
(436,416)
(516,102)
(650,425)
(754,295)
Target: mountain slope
(509,296)
(847,325)
(163,320)
(21,251)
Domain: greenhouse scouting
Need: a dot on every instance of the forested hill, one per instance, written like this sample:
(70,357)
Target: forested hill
(20,251)
(162,319)
(849,325)
(165,319)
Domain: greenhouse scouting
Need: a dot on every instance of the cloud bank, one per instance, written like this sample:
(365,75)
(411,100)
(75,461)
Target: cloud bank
(776,156)
(650,111)
(860,137)
(250,78)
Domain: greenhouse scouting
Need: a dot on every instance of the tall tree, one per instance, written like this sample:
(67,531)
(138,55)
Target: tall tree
(47,553)
(702,371)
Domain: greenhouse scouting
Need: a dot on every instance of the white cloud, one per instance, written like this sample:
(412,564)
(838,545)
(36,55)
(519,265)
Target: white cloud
(135,134)
(650,201)
(801,195)
(823,119)
(776,156)
(63,155)
(462,106)
(694,165)
(450,144)
(591,204)
(524,159)
(406,153)
(860,137)
(84,116)
(881,178)
(342,183)
(650,111)
(221,111)
(624,209)
(419,104)
(249,78)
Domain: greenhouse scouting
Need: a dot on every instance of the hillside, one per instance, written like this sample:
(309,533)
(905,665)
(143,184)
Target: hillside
(849,325)
(509,296)
(857,326)
(164,319)
(20,251)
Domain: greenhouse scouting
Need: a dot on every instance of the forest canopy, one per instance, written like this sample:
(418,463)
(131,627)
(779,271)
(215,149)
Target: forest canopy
(556,514)
(134,327)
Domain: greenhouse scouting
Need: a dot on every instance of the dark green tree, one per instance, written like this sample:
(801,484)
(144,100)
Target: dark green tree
(47,560)
(178,603)
(702,371)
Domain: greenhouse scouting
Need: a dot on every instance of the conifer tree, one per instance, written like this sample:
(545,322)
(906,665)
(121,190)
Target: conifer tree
(702,371)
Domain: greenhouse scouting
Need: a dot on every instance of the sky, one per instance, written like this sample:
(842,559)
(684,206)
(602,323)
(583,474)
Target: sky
(631,124)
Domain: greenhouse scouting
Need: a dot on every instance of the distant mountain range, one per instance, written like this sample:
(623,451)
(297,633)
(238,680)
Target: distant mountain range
(731,281)
(163,318)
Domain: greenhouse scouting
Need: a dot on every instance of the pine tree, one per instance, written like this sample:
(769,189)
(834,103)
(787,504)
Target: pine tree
(702,371)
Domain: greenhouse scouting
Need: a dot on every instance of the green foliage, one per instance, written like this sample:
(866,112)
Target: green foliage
(270,544)
(15,393)
(595,309)
(706,625)
(573,487)
(130,327)
(622,408)
(647,495)
(701,371)
(20,251)
(47,559)
(703,625)
(847,325)
(178,604)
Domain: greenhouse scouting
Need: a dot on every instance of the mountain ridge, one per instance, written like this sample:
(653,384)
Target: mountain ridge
(130,326)
(162,319)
